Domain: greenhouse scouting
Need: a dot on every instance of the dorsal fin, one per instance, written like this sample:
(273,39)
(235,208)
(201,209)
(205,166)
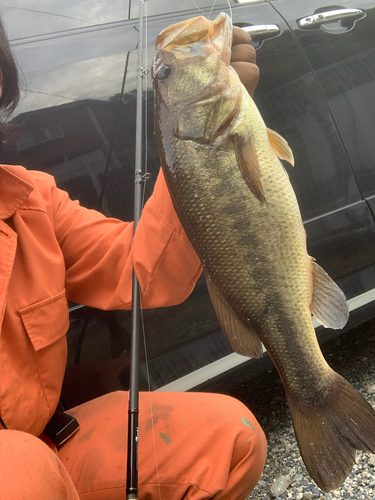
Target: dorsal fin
(241,338)
(280,146)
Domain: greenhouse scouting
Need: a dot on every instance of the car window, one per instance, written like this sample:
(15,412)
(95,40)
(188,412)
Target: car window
(29,18)
(164,6)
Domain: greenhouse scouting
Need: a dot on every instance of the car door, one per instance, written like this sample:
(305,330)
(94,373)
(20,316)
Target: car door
(71,123)
(339,43)
(292,103)
(78,115)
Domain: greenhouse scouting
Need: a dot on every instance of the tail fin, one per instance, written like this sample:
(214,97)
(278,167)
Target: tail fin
(328,434)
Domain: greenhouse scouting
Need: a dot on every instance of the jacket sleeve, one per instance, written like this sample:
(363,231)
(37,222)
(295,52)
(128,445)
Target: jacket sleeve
(99,252)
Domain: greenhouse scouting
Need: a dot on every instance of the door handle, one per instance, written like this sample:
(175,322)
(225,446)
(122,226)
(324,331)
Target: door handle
(262,30)
(259,32)
(316,20)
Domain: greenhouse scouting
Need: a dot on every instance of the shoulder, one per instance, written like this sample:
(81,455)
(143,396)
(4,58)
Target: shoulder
(36,190)
(33,177)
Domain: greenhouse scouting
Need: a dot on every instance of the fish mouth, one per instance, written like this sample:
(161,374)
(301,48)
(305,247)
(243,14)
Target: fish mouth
(188,38)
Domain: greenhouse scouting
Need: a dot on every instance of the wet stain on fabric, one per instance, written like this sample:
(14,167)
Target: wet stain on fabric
(247,423)
(85,436)
(160,412)
(165,438)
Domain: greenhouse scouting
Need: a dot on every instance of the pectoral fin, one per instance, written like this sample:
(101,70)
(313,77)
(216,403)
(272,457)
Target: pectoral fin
(241,338)
(248,163)
(280,146)
(329,305)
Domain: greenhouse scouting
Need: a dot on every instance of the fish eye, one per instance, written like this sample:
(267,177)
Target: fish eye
(163,72)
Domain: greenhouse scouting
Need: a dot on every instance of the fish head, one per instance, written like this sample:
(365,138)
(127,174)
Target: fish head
(197,37)
(191,74)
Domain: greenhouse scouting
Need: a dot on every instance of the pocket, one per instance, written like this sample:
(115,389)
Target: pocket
(46,321)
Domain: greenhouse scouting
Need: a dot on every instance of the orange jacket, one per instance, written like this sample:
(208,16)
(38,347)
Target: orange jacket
(53,250)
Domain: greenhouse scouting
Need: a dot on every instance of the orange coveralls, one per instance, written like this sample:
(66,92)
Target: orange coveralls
(194,446)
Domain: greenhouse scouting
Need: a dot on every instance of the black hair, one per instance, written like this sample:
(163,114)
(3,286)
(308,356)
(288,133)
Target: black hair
(10,87)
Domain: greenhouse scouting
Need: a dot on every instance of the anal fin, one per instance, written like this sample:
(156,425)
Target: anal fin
(329,305)
(242,339)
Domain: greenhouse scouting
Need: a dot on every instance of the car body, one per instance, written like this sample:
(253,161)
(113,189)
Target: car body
(77,114)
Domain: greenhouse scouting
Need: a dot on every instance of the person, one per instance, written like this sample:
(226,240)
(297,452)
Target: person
(193,446)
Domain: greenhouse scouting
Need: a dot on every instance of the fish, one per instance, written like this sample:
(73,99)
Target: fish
(238,208)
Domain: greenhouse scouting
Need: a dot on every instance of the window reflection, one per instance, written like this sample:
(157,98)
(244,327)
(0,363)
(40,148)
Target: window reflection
(194,6)
(29,18)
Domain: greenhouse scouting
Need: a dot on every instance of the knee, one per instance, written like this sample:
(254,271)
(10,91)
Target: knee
(249,447)
(31,470)
(246,445)
(248,435)
(228,416)
(21,449)
(250,443)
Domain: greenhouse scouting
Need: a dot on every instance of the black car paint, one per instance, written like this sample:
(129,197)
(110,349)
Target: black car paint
(78,119)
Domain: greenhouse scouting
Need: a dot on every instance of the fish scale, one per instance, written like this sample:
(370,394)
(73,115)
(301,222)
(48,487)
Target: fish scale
(238,208)
(229,215)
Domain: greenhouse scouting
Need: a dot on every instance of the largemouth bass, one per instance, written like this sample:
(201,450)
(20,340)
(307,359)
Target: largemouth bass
(234,199)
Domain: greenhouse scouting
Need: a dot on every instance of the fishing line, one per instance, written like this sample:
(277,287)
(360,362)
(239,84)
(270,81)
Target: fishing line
(150,402)
(145,176)
(212,8)
(203,12)
(148,378)
(197,6)
(230,11)
(145,61)
(231,18)
(133,406)
(143,72)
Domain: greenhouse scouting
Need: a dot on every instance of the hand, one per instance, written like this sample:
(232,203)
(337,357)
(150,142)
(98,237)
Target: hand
(243,59)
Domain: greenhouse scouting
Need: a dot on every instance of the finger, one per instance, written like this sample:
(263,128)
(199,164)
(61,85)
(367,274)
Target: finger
(248,74)
(243,52)
(240,36)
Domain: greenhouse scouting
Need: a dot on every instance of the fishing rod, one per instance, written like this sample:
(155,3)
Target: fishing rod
(133,411)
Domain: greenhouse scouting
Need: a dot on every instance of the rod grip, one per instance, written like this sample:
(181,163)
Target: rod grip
(132,465)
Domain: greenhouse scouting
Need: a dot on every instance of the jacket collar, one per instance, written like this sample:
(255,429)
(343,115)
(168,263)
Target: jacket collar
(14,191)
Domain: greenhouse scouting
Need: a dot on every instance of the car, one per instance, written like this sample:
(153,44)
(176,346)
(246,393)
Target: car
(76,121)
